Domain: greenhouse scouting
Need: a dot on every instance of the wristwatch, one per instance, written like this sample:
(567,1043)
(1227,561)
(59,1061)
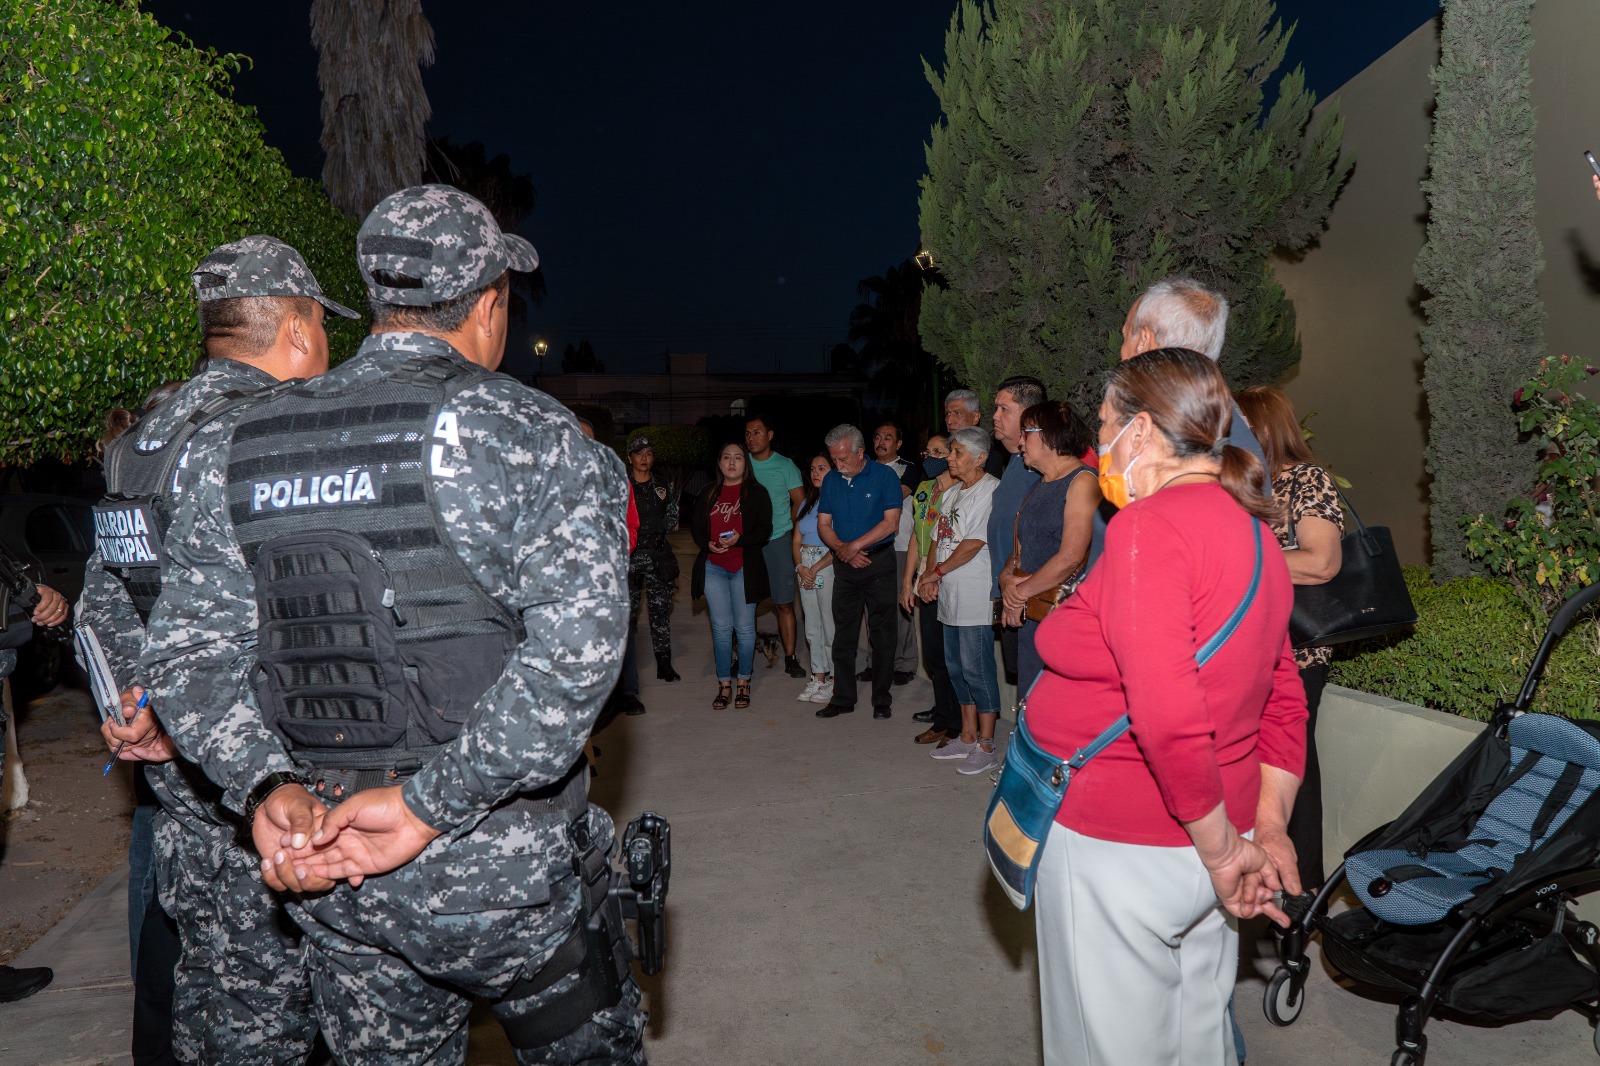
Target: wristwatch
(268,785)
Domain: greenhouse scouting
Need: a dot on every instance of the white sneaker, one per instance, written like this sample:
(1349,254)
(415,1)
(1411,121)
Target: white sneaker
(810,691)
(978,761)
(824,692)
(954,749)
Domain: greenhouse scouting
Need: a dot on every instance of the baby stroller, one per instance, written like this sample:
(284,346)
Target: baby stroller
(1466,897)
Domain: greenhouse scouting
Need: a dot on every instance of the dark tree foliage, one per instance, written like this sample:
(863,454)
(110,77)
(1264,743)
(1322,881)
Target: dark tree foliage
(508,195)
(902,376)
(1480,268)
(581,360)
(1090,147)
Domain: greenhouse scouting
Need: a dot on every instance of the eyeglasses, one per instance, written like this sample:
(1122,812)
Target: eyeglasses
(1032,429)
(934,455)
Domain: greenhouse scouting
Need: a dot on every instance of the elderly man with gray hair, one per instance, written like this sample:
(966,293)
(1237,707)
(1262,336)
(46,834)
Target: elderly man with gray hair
(962,409)
(857,517)
(1180,312)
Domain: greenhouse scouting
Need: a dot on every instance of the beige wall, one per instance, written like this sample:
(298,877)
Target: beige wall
(1355,295)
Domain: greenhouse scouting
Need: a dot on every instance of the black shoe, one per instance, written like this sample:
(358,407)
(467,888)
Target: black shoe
(881,712)
(865,675)
(792,667)
(20,984)
(834,710)
(665,672)
(632,707)
(923,716)
(903,677)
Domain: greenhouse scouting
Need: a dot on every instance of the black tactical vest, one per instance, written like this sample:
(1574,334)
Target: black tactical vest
(375,641)
(650,500)
(131,520)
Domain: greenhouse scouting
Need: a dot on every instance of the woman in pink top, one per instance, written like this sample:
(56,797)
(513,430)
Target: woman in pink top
(1154,839)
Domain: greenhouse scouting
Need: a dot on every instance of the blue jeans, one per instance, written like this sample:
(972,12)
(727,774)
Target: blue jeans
(730,615)
(969,656)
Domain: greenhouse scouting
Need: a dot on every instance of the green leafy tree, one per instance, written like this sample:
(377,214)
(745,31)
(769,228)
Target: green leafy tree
(1089,148)
(124,160)
(1480,268)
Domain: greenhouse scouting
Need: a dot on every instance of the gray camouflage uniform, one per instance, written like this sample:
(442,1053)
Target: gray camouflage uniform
(240,982)
(242,993)
(536,513)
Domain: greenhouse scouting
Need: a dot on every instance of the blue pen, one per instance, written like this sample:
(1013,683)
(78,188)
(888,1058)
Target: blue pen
(143,700)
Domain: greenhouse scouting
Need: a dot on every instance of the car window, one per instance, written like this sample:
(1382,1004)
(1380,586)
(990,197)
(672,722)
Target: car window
(54,528)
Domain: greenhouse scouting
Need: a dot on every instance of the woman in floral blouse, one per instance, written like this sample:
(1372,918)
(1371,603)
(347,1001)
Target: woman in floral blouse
(1306,489)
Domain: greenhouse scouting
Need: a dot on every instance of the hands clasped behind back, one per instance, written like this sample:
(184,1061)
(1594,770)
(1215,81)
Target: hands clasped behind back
(307,847)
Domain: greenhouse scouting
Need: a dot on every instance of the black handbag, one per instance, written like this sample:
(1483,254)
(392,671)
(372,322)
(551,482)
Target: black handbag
(1366,598)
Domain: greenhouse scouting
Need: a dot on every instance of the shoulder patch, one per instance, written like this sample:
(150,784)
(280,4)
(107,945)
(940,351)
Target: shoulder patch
(125,534)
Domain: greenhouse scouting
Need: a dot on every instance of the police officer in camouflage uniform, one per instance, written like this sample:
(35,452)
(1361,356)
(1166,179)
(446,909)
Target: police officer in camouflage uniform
(652,568)
(242,993)
(435,558)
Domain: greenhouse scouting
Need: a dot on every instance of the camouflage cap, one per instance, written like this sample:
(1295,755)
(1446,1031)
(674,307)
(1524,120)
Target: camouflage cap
(638,444)
(433,243)
(259,265)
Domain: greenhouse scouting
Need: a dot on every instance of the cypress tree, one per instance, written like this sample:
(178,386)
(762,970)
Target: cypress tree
(1480,268)
(1091,147)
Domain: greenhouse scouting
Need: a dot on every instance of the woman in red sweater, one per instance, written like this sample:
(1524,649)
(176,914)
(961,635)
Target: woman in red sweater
(1154,839)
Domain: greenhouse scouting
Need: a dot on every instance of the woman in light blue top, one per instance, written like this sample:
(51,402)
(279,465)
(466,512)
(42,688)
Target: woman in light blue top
(811,559)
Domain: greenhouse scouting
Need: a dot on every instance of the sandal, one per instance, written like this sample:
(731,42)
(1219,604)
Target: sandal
(742,700)
(721,702)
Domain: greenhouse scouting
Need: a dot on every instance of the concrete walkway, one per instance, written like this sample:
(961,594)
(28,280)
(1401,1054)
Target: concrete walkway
(829,905)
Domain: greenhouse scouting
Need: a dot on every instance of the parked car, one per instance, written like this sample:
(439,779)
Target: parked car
(53,536)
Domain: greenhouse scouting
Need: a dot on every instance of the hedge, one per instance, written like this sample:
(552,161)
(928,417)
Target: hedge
(124,160)
(1470,650)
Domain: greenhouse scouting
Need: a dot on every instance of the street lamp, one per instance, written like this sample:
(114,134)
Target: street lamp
(540,347)
(923,259)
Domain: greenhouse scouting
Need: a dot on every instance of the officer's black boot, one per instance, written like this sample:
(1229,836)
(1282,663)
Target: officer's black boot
(20,984)
(664,670)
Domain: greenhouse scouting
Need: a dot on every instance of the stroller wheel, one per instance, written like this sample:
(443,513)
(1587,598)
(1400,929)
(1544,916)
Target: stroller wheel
(1283,1001)
(1597,1039)
(1402,1057)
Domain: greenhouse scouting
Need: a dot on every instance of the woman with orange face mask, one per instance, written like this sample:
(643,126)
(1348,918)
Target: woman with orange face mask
(1182,819)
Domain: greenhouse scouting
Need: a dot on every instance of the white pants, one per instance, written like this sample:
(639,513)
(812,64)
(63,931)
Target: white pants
(1137,958)
(817,606)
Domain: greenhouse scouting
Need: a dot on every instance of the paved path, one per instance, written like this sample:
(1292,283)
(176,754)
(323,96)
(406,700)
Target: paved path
(829,906)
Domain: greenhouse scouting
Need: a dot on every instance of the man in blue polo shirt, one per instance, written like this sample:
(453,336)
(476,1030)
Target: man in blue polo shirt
(858,515)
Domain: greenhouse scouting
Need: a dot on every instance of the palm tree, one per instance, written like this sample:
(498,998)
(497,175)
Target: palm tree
(374,109)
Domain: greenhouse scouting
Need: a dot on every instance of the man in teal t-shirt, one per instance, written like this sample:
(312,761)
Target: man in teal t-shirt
(781,478)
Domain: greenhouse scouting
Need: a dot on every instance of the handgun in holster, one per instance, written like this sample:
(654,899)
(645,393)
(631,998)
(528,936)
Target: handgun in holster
(647,857)
(597,954)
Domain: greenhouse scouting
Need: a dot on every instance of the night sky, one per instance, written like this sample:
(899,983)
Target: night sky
(711,177)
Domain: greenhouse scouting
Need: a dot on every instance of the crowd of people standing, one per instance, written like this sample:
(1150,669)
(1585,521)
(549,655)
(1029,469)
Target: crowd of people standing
(1085,564)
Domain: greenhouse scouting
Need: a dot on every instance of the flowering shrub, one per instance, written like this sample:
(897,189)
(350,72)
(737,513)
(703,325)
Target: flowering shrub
(1547,545)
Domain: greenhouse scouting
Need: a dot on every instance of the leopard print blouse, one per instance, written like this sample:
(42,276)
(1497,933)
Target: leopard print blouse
(1309,490)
